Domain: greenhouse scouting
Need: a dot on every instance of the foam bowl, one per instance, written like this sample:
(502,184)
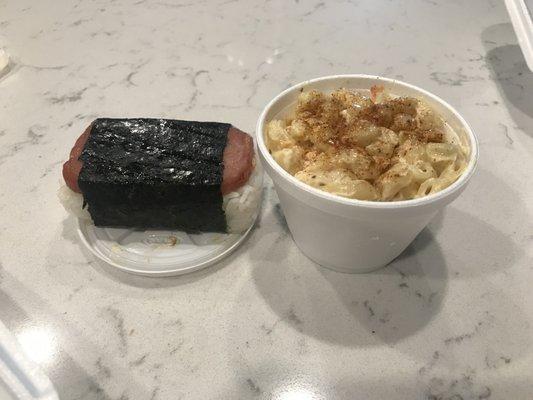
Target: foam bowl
(350,235)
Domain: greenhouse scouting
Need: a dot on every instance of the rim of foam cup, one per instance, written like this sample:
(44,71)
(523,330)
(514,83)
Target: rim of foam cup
(431,198)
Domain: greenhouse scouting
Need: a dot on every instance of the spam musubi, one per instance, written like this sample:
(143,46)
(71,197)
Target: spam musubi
(163,174)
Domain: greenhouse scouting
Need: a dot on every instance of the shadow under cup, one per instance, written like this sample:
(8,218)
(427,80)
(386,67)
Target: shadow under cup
(351,235)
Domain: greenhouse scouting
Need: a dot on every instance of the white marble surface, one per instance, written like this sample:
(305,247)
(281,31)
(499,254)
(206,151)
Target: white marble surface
(450,319)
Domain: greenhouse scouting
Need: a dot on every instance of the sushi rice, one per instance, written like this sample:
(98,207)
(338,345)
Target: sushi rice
(240,206)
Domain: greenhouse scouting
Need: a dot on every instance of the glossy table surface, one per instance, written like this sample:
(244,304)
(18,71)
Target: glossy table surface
(452,318)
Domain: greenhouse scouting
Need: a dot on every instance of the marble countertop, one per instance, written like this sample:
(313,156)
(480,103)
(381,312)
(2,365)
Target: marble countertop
(450,319)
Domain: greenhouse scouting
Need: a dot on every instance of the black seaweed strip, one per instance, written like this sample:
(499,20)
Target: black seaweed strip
(154,173)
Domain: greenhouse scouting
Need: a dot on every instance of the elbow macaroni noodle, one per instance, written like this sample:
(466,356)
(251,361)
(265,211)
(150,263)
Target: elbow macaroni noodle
(366,147)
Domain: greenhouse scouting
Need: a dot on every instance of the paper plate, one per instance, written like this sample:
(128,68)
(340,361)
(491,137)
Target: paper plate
(156,252)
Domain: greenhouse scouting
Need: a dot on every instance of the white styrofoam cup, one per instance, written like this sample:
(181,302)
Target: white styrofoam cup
(351,235)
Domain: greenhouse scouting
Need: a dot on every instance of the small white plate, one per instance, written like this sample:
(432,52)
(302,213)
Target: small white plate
(157,252)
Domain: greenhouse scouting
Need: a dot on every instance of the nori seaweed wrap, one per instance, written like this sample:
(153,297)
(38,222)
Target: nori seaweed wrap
(155,173)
